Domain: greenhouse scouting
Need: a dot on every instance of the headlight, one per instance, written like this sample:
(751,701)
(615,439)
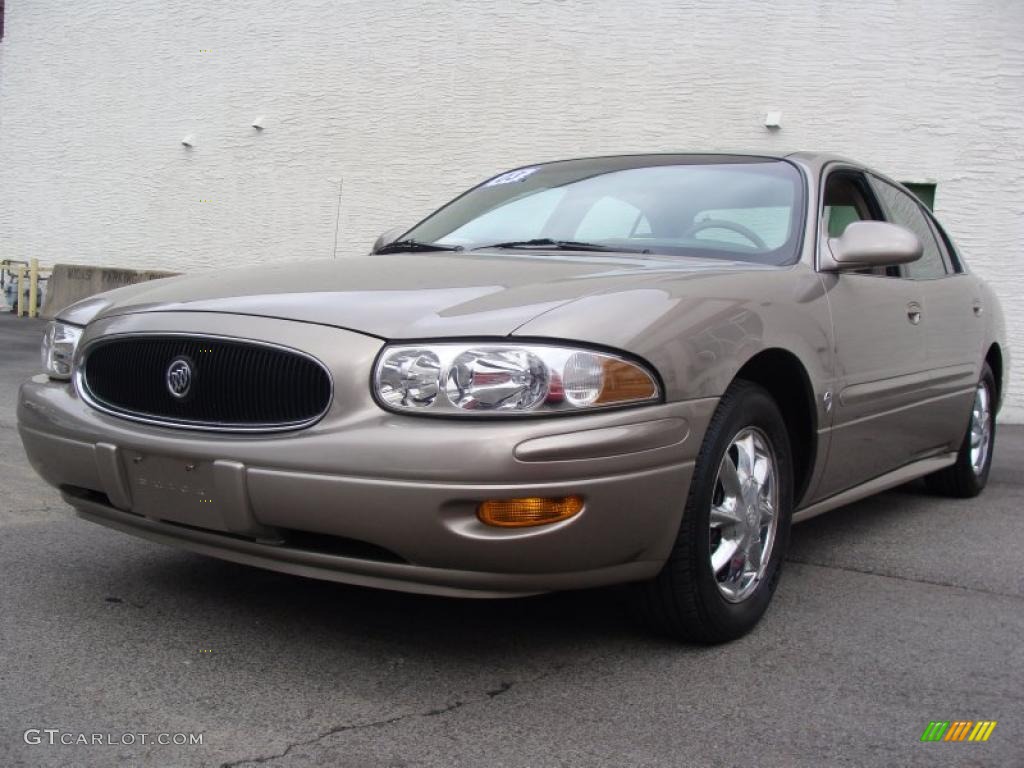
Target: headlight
(59,343)
(495,379)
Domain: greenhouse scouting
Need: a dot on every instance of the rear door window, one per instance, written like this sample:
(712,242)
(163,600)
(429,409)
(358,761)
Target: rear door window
(905,210)
(953,262)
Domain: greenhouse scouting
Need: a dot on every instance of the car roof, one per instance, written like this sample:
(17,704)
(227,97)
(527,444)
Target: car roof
(815,159)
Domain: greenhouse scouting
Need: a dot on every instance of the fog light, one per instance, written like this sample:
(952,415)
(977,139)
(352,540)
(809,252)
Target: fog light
(519,513)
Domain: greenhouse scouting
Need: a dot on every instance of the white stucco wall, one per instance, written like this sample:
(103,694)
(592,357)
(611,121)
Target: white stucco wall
(407,102)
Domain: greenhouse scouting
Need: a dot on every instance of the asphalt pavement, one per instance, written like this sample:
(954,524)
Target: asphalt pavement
(896,611)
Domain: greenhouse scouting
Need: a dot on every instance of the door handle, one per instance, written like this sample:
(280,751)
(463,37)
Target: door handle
(914,313)
(978,309)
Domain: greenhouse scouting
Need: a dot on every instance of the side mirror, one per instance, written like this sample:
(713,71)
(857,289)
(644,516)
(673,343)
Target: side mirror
(388,236)
(870,244)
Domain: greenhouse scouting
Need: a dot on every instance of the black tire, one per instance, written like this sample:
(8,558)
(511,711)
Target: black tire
(960,480)
(684,600)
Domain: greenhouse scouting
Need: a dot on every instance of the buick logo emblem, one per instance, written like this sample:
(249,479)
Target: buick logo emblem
(179,377)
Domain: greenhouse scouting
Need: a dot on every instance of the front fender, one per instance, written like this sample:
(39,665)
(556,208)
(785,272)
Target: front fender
(698,331)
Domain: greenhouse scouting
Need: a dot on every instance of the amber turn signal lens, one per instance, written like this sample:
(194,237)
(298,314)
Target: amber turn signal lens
(519,513)
(624,382)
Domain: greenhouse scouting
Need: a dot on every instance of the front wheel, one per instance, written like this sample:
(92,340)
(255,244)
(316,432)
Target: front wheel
(725,564)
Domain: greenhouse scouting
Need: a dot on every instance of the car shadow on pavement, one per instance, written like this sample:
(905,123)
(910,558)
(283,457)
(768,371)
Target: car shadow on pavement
(243,597)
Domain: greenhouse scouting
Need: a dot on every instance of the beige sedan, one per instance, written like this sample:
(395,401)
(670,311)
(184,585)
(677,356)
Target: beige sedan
(632,369)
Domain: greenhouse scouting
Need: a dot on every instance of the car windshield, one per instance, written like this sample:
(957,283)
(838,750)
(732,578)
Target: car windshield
(727,207)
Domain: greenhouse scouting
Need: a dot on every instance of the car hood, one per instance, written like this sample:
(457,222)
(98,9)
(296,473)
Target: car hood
(402,295)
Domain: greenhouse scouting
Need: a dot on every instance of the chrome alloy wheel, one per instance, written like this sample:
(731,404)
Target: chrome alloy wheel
(744,514)
(981,428)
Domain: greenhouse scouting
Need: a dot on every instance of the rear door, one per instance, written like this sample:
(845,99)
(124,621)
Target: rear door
(951,312)
(880,421)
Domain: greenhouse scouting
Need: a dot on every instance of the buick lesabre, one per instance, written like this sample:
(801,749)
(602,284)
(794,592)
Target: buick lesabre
(635,369)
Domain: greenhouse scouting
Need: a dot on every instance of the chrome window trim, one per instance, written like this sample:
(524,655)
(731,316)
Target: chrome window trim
(81,387)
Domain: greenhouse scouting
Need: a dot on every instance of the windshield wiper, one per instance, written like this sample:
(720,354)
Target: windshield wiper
(562,245)
(416,245)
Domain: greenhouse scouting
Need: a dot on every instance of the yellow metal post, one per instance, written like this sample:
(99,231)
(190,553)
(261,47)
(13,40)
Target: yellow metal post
(33,288)
(21,290)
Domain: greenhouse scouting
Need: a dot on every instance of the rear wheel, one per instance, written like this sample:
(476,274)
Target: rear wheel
(967,478)
(725,563)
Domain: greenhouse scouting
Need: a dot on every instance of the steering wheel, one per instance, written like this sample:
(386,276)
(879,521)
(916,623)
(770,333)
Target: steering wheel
(739,229)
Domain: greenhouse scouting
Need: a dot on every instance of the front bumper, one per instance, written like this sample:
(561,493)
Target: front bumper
(373,498)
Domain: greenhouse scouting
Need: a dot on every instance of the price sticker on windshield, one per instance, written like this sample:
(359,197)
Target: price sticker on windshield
(512,177)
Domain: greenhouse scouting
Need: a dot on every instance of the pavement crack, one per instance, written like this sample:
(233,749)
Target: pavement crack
(930,582)
(336,730)
(503,687)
